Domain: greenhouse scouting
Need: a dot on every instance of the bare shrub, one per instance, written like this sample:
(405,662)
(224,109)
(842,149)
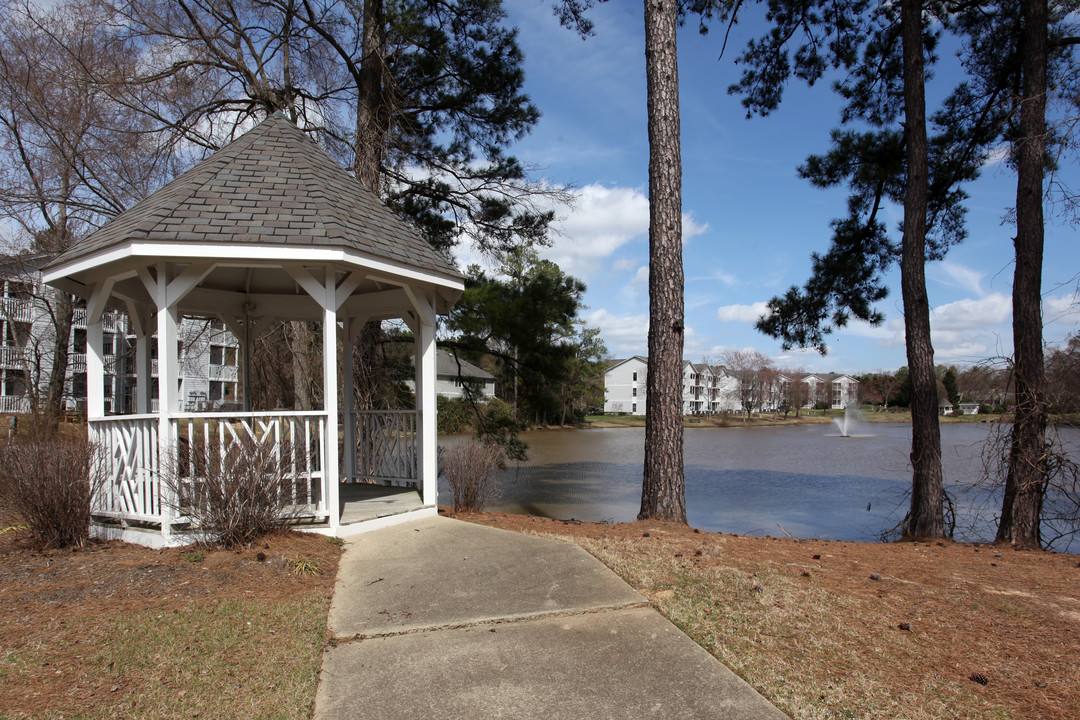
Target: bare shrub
(235,495)
(469,469)
(48,481)
(1059,509)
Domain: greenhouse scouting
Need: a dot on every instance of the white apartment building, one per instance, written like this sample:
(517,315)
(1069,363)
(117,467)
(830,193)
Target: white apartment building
(624,386)
(709,389)
(706,388)
(835,390)
(209,379)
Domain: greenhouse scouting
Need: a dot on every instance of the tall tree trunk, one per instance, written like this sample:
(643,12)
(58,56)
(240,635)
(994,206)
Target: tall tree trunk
(663,493)
(300,346)
(371,127)
(1022,505)
(63,314)
(371,110)
(926,518)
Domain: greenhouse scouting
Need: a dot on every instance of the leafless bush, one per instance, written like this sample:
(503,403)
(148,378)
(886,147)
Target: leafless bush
(49,482)
(236,495)
(1059,517)
(470,469)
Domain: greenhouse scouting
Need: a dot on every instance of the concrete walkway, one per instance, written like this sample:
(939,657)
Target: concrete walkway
(442,619)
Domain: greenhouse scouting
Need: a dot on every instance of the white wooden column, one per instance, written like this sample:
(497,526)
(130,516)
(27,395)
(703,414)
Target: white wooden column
(330,296)
(167,294)
(139,322)
(245,368)
(427,440)
(95,356)
(330,402)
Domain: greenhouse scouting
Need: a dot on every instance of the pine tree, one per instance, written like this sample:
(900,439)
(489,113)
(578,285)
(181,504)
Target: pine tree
(663,493)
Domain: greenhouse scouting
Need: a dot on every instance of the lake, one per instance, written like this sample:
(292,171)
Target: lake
(805,481)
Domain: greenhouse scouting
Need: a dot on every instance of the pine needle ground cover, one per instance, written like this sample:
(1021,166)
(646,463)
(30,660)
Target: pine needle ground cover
(115,630)
(859,630)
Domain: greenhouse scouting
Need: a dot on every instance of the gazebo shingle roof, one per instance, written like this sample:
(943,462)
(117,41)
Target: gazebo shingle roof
(273,185)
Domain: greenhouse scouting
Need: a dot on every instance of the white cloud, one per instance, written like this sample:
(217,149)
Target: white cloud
(972,314)
(641,277)
(691,228)
(742,313)
(956,275)
(1062,309)
(997,155)
(601,221)
(623,334)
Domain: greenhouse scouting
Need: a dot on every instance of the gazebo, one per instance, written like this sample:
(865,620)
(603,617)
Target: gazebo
(268,228)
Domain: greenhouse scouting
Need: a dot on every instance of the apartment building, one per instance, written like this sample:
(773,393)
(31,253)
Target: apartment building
(709,389)
(706,388)
(208,353)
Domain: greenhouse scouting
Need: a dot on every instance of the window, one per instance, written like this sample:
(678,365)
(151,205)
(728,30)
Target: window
(635,392)
(108,343)
(633,408)
(217,357)
(635,376)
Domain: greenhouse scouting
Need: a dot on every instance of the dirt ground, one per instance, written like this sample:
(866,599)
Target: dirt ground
(917,623)
(57,607)
(943,616)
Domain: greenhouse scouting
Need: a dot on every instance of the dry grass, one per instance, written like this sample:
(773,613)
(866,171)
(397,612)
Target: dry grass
(120,631)
(804,623)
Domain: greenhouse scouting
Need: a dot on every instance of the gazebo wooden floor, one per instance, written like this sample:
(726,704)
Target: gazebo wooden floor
(360,502)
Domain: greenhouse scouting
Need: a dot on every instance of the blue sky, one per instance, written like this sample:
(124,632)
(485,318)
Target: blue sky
(750,222)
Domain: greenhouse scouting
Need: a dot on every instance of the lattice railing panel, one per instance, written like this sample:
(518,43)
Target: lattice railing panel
(130,463)
(386,446)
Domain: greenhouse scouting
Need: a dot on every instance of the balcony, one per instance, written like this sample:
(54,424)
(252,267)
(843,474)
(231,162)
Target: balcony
(10,357)
(226,373)
(17,309)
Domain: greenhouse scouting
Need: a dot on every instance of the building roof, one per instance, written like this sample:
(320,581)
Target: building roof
(271,186)
(446,363)
(611,364)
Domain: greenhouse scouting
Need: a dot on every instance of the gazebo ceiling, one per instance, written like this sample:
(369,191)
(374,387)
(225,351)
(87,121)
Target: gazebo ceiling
(268,201)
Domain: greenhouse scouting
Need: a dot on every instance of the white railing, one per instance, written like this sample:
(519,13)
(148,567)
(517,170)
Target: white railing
(14,404)
(17,309)
(10,357)
(139,482)
(223,372)
(131,463)
(386,446)
(110,321)
(77,362)
(79,318)
(293,441)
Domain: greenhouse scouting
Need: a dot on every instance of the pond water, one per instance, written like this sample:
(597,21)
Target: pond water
(806,481)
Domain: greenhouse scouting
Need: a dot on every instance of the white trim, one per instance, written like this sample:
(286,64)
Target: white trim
(99,297)
(186,281)
(266,253)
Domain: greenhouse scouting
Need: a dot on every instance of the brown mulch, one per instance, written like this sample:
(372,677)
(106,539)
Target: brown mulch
(974,611)
(62,602)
